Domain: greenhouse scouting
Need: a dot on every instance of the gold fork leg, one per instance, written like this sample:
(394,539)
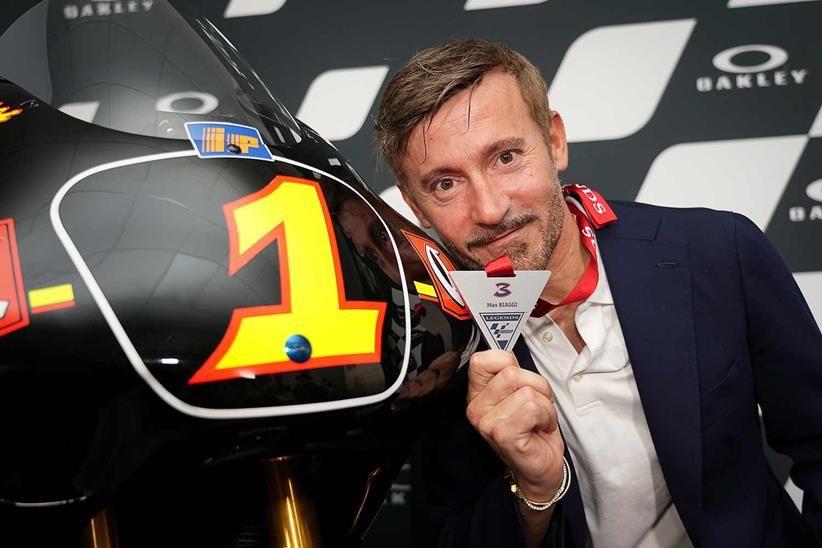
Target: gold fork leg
(292,521)
(101,532)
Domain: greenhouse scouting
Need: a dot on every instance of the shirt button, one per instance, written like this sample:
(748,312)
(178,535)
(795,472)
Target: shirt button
(547,337)
(578,377)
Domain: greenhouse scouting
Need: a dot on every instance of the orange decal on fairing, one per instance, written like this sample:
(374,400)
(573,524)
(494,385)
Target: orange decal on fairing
(7,113)
(293,212)
(14,313)
(438,266)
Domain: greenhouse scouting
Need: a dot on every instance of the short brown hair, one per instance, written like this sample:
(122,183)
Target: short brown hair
(435,75)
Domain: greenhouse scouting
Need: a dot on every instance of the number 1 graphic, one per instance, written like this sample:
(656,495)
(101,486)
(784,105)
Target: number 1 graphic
(294,213)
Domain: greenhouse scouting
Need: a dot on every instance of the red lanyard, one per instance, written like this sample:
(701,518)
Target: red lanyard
(597,213)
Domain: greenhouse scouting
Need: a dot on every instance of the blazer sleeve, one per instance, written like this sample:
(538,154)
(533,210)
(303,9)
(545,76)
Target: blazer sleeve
(467,500)
(786,353)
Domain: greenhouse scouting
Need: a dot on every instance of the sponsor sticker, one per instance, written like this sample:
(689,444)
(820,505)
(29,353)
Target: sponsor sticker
(438,265)
(221,140)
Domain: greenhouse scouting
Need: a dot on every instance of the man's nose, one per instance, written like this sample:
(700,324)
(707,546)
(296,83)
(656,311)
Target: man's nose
(490,202)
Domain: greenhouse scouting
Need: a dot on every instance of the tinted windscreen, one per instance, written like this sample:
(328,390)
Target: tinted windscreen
(140,67)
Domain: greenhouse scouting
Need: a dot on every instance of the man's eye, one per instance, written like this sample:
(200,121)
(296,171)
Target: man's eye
(444,184)
(507,157)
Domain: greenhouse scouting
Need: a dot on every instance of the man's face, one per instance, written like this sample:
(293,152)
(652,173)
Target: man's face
(481,174)
(369,236)
(371,240)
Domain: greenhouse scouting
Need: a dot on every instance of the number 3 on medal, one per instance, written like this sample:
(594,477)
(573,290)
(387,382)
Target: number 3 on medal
(294,213)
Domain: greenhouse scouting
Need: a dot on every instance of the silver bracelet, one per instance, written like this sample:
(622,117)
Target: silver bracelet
(564,486)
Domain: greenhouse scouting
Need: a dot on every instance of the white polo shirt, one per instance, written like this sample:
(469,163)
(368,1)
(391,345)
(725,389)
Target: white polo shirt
(626,501)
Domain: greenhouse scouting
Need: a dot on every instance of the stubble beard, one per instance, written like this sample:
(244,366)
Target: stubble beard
(523,256)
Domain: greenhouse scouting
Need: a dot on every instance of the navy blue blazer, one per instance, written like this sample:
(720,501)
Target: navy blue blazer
(714,325)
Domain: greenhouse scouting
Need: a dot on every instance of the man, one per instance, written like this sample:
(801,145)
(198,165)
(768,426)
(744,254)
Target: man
(666,328)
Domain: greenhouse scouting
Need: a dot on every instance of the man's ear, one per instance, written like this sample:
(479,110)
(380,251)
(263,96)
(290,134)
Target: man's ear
(558,142)
(409,199)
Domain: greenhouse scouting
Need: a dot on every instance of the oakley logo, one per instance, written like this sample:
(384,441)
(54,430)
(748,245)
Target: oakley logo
(104,8)
(761,74)
(798,214)
(814,190)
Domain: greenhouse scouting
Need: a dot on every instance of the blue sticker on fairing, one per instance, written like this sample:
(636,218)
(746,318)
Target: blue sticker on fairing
(221,140)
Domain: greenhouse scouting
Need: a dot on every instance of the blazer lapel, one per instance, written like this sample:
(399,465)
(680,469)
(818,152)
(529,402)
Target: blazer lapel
(651,285)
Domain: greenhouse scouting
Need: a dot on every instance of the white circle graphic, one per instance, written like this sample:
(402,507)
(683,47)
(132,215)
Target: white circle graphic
(814,190)
(207,102)
(724,59)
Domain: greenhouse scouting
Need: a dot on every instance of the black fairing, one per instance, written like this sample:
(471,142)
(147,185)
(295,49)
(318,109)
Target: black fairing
(92,417)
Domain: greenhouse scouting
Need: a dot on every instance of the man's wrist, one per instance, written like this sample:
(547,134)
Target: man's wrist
(541,505)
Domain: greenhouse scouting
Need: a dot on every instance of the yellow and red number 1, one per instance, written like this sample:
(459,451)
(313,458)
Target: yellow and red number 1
(341,332)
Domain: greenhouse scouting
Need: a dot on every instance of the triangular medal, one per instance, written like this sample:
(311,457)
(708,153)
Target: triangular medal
(500,305)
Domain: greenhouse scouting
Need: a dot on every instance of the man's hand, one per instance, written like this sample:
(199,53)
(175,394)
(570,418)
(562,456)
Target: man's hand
(513,409)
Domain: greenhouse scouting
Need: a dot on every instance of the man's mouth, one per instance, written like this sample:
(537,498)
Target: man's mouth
(503,235)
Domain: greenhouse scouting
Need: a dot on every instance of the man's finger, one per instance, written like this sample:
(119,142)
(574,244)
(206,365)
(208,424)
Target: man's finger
(516,431)
(484,366)
(532,417)
(502,385)
(506,409)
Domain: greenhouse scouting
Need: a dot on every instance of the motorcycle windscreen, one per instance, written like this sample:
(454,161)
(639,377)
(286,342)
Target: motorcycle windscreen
(142,67)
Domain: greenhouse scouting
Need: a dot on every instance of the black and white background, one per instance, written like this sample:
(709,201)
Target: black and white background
(707,103)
